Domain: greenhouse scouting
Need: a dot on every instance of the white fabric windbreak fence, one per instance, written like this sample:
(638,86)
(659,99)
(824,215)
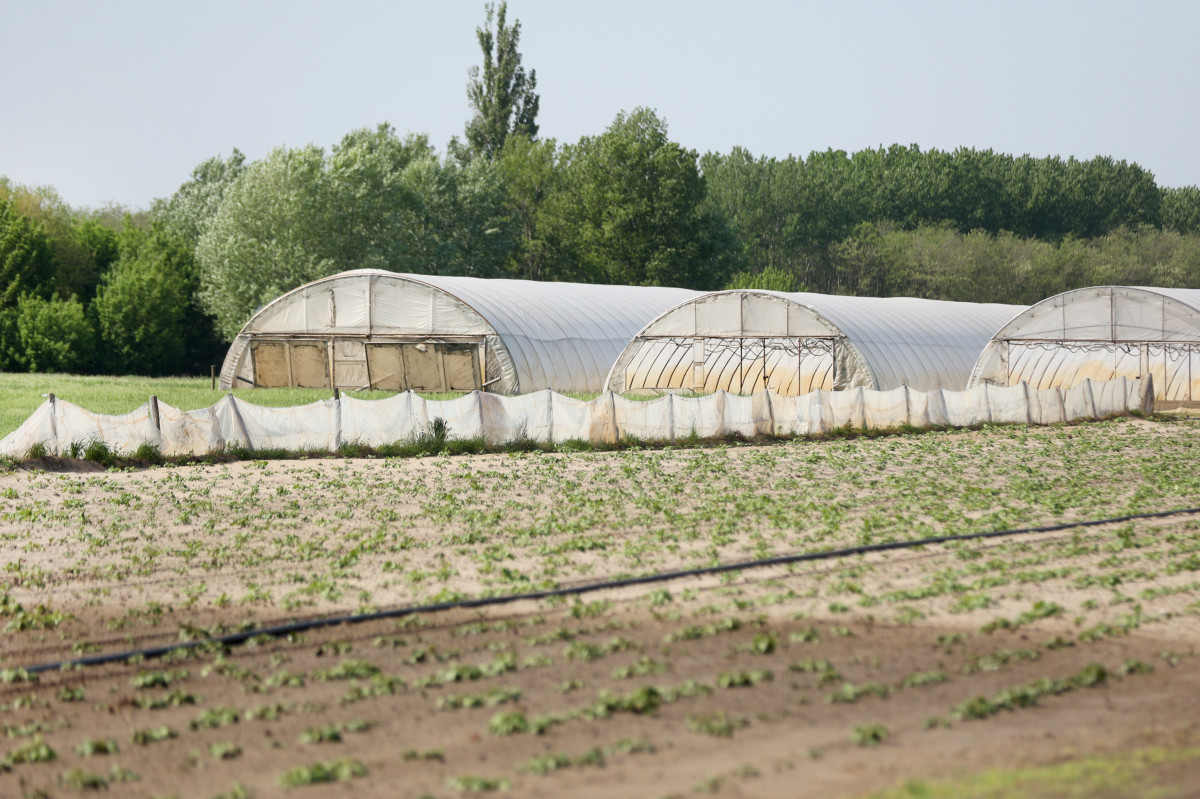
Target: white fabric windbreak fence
(545,416)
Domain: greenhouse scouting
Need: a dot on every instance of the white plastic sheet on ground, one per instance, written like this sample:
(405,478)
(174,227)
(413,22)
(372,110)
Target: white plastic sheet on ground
(545,416)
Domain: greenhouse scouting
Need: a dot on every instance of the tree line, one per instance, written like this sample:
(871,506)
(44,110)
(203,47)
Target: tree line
(162,291)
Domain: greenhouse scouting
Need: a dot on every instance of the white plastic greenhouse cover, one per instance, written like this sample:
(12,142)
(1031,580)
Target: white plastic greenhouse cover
(523,335)
(793,343)
(1101,333)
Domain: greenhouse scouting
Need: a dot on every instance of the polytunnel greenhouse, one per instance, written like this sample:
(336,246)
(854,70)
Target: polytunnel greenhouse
(382,330)
(792,343)
(1103,332)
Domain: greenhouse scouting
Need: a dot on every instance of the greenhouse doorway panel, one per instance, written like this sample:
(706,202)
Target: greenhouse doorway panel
(424,366)
(301,364)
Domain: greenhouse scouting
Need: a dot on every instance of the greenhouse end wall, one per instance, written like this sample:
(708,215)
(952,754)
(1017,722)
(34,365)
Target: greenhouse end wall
(745,341)
(1102,333)
(383,330)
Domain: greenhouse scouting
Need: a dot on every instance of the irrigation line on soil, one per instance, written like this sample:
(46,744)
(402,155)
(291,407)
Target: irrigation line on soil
(233,639)
(132,640)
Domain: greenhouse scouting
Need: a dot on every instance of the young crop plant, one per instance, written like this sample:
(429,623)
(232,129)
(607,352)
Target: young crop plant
(540,765)
(1027,695)
(996,660)
(346,670)
(808,635)
(849,693)
(641,701)
(97,746)
(224,750)
(640,668)
(141,737)
(175,698)
(339,770)
(762,644)
(581,650)
(475,784)
(694,632)
(871,734)
(215,717)
(744,679)
(158,679)
(718,725)
(631,746)
(489,698)
(320,735)
(923,678)
(78,779)
(32,751)
(508,723)
(70,693)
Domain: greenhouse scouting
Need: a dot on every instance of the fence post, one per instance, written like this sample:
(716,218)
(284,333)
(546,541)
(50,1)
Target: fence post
(53,420)
(154,412)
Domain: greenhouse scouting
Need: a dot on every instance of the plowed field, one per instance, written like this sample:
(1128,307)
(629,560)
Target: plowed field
(831,678)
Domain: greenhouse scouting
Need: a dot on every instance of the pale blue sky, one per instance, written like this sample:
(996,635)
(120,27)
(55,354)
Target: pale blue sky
(119,100)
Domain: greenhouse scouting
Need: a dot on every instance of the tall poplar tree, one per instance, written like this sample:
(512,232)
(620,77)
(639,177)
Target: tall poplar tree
(502,95)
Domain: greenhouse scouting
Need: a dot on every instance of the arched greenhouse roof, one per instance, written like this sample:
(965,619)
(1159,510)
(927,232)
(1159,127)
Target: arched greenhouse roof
(876,342)
(528,335)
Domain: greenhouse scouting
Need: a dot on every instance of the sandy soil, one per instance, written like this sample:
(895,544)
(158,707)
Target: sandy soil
(794,742)
(130,560)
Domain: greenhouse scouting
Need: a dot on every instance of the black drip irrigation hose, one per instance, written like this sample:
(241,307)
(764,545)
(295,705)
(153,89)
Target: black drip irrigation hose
(233,639)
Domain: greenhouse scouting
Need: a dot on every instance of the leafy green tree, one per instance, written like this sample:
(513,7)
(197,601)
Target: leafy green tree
(767,203)
(483,234)
(97,244)
(502,95)
(372,196)
(832,202)
(11,353)
(632,209)
(529,170)
(78,256)
(275,229)
(456,224)
(25,256)
(144,306)
(769,279)
(189,210)
(377,201)
(53,335)
(1181,209)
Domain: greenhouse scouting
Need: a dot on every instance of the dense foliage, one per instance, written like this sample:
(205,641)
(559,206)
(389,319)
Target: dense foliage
(160,291)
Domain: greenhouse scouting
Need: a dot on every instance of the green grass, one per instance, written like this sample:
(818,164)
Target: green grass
(1136,773)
